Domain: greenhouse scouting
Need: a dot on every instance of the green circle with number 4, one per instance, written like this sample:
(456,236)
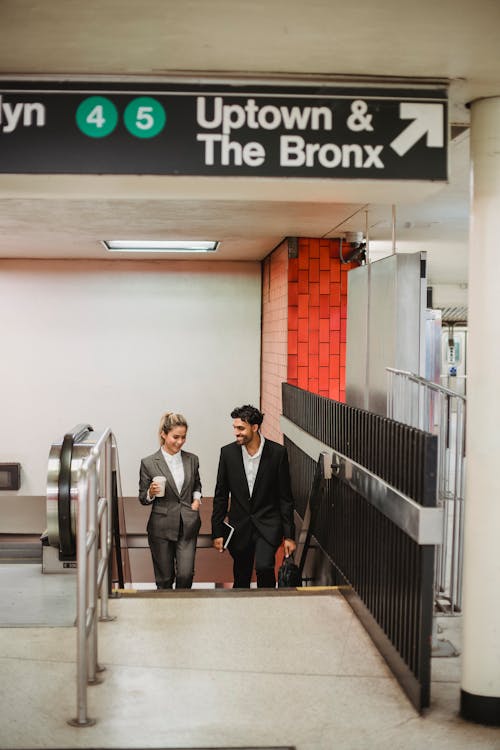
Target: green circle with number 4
(144,117)
(96,116)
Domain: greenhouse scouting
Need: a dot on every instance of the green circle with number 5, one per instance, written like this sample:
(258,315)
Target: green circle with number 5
(96,116)
(144,117)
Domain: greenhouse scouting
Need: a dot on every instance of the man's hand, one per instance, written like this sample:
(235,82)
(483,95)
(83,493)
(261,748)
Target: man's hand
(289,547)
(219,544)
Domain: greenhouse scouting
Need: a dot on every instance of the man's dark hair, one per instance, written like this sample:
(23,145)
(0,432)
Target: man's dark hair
(248,413)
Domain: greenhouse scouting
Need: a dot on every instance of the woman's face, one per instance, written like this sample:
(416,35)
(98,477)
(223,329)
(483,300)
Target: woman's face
(174,439)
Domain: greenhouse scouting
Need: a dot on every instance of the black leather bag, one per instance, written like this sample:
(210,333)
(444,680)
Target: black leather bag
(289,574)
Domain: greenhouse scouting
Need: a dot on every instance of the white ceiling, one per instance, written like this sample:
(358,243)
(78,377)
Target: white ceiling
(66,216)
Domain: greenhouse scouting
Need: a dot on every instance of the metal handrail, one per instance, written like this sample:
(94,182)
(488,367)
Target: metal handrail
(93,548)
(428,383)
(322,472)
(432,407)
(421,524)
(379,467)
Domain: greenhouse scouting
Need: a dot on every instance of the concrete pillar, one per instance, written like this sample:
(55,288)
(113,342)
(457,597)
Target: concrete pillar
(480,695)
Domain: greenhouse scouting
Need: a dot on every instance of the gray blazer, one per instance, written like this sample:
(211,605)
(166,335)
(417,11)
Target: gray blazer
(167,511)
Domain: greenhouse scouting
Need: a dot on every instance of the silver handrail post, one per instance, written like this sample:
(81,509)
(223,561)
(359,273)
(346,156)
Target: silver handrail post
(94,539)
(92,551)
(106,528)
(82,719)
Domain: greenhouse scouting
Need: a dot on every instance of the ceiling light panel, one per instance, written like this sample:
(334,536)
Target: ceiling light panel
(161,246)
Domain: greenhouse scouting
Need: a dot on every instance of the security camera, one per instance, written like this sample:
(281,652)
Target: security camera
(355,250)
(354,239)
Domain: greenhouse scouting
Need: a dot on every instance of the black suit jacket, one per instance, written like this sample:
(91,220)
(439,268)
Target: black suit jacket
(269,510)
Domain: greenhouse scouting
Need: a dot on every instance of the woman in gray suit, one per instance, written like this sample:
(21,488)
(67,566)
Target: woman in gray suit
(174,522)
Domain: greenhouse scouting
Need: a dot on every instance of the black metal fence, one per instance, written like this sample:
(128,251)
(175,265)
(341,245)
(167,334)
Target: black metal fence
(388,575)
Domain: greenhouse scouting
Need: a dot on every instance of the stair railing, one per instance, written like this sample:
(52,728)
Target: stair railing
(93,548)
(421,403)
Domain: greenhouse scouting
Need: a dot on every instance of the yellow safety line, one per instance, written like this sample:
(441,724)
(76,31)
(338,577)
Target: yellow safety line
(314,589)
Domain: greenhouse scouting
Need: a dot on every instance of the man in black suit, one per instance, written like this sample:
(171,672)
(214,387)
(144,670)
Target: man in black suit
(254,472)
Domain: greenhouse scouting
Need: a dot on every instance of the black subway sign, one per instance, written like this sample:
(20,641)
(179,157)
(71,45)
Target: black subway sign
(300,132)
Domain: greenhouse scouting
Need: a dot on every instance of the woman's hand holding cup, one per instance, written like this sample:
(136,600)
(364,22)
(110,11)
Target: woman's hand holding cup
(157,487)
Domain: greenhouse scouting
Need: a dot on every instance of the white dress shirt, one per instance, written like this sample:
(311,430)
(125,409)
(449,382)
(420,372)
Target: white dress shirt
(251,463)
(174,463)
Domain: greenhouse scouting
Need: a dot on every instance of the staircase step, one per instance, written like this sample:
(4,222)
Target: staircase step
(20,549)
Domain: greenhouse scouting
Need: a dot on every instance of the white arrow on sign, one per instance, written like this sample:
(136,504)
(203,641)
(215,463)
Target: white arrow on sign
(427,120)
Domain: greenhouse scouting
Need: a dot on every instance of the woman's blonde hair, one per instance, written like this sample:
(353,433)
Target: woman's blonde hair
(168,421)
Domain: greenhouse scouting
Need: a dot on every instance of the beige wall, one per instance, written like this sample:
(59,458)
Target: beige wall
(274,338)
(116,344)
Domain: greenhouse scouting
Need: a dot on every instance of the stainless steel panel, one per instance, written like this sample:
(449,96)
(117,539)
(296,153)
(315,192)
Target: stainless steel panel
(433,345)
(357,337)
(385,326)
(382,330)
(410,305)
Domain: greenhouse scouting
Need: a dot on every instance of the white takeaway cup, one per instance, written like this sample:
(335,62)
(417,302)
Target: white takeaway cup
(162,482)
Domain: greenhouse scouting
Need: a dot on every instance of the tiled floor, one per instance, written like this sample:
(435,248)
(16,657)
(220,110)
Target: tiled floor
(30,599)
(217,669)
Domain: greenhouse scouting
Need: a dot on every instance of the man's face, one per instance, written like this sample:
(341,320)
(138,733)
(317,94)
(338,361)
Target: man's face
(243,431)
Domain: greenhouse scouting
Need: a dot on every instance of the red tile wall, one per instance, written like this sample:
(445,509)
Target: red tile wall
(317,312)
(304,310)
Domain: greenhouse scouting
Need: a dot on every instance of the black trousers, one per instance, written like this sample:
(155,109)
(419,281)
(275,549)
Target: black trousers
(260,552)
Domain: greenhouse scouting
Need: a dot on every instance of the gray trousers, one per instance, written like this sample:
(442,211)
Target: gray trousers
(173,561)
